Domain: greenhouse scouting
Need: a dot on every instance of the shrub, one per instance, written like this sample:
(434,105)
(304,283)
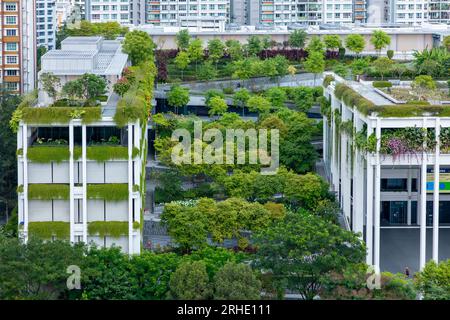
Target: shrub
(108,191)
(390,54)
(327,80)
(113,229)
(228,90)
(47,229)
(60,114)
(46,154)
(51,191)
(105,153)
(382,84)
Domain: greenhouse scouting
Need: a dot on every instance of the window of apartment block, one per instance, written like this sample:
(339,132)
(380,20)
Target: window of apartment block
(11,46)
(11,20)
(11,73)
(124,16)
(10,7)
(11,32)
(11,59)
(12,86)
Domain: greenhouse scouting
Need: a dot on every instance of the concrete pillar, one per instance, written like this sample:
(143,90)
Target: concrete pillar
(408,214)
(423,208)
(376,245)
(369,213)
(71,183)
(84,169)
(25,180)
(130,189)
(436,193)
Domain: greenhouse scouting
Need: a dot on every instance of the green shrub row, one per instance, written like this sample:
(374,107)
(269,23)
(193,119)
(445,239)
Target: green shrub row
(382,84)
(327,80)
(49,115)
(46,154)
(48,191)
(353,99)
(108,191)
(48,229)
(113,229)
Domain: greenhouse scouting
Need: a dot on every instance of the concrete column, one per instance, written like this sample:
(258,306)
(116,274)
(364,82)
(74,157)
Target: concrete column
(408,214)
(369,213)
(376,245)
(130,189)
(84,169)
(25,180)
(436,193)
(71,183)
(423,208)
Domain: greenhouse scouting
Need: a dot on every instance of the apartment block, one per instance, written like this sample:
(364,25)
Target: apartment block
(203,14)
(399,201)
(416,12)
(93,170)
(46,25)
(106,11)
(17,45)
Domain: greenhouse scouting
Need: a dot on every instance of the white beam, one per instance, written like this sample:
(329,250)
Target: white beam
(423,208)
(84,169)
(377,203)
(71,184)
(436,194)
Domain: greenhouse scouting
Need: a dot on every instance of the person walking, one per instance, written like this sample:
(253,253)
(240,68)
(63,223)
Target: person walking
(407,272)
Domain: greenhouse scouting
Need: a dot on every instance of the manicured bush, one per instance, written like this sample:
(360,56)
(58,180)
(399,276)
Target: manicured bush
(382,84)
(108,191)
(50,191)
(390,54)
(105,153)
(47,229)
(46,154)
(63,115)
(327,80)
(228,90)
(113,229)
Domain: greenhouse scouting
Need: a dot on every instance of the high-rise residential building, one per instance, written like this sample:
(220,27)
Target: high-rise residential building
(416,12)
(46,25)
(397,197)
(439,11)
(191,13)
(63,11)
(121,11)
(92,170)
(17,45)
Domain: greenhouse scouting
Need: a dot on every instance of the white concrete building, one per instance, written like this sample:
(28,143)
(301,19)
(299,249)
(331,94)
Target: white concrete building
(46,25)
(64,9)
(89,198)
(416,12)
(106,11)
(398,200)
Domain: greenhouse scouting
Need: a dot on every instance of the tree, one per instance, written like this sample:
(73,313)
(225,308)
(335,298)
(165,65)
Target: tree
(234,49)
(446,42)
(182,61)
(122,86)
(177,97)
(50,83)
(8,161)
(207,71)
(351,284)
(182,39)
(355,43)
(139,47)
(40,51)
(303,249)
(422,85)
(305,191)
(315,63)
(258,104)
(236,282)
(89,87)
(37,269)
(240,98)
(360,66)
(195,51)
(380,40)
(190,282)
(297,39)
(276,96)
(254,46)
(296,150)
(213,93)
(217,106)
(332,41)
(399,69)
(215,50)
(315,45)
(434,281)
(383,65)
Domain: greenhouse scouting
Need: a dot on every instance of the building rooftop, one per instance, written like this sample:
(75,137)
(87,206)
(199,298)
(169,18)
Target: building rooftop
(79,55)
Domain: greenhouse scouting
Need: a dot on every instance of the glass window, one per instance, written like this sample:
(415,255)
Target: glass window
(10,20)
(394,185)
(11,46)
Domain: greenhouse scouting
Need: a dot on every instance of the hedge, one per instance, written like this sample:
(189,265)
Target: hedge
(48,191)
(327,80)
(105,153)
(47,229)
(108,191)
(45,154)
(382,84)
(113,229)
(354,99)
(48,115)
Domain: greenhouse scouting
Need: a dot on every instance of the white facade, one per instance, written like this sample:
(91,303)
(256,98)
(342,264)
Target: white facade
(106,11)
(378,192)
(46,25)
(416,12)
